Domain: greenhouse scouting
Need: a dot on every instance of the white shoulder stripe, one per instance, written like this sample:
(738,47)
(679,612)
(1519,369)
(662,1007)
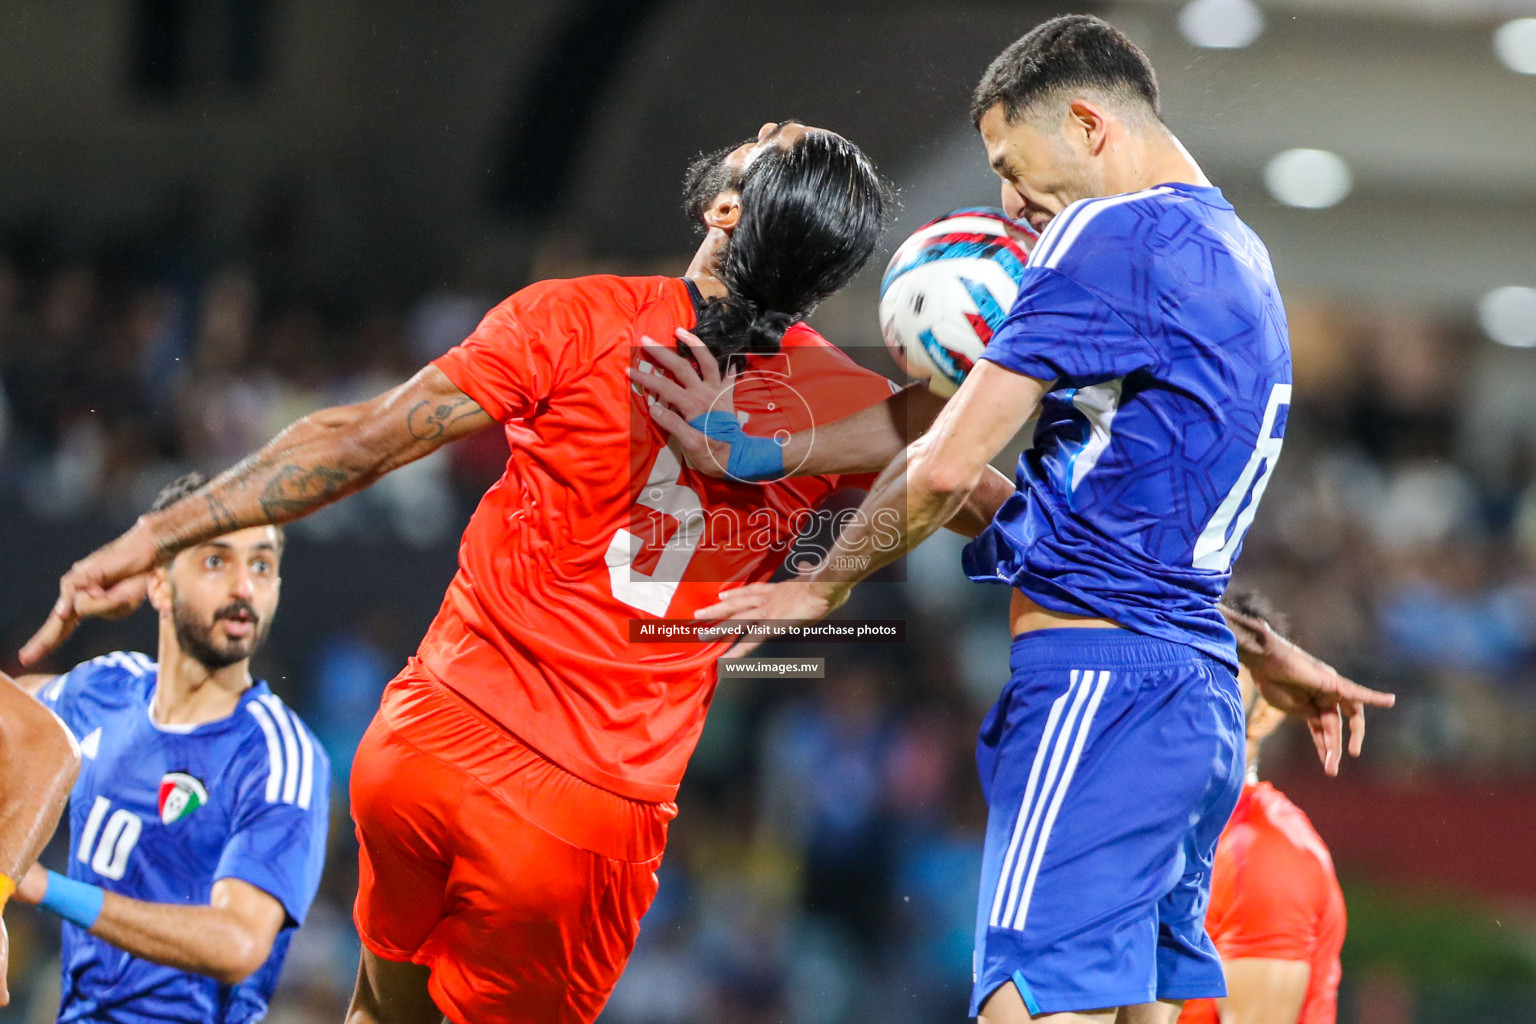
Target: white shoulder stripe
(307,775)
(274,750)
(291,767)
(1085,215)
(1052,233)
(132,663)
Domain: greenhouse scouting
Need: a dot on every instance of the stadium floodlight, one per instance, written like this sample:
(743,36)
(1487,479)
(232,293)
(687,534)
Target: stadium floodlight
(1508,315)
(1221,24)
(1309,178)
(1515,43)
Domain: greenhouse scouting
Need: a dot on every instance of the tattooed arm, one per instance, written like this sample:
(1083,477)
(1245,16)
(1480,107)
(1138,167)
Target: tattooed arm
(322,458)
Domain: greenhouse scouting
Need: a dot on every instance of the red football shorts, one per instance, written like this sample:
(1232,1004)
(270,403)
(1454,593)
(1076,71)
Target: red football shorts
(519,885)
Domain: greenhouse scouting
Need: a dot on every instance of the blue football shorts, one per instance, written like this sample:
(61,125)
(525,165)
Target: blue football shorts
(1111,763)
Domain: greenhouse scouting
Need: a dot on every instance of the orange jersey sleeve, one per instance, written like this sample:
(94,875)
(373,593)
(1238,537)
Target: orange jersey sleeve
(1266,898)
(520,353)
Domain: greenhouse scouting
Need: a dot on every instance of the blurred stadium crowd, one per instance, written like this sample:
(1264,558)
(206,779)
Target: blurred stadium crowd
(824,865)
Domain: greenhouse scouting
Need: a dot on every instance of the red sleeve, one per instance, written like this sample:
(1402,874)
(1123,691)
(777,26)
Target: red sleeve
(516,358)
(1273,903)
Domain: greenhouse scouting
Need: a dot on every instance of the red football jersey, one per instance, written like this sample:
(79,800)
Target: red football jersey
(1274,896)
(597,522)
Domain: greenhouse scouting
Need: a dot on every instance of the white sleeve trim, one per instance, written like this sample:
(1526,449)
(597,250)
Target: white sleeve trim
(1080,215)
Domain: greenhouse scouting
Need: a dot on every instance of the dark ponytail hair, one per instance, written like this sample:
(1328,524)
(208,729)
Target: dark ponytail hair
(811,214)
(734,327)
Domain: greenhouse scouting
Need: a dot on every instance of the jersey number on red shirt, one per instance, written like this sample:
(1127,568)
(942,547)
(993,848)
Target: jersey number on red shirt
(666,493)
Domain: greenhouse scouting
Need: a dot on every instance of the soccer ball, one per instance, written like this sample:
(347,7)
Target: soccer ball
(947,289)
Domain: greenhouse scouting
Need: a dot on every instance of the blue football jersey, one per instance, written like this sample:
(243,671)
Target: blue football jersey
(1157,315)
(160,814)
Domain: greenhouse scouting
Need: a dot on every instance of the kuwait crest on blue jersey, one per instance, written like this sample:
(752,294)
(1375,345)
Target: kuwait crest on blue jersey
(180,795)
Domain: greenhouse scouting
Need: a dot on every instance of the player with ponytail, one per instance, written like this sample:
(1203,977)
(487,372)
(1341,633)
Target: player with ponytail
(810,214)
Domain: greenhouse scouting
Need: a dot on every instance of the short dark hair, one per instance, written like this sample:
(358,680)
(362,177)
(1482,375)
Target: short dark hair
(1256,606)
(811,214)
(177,489)
(1074,51)
(185,486)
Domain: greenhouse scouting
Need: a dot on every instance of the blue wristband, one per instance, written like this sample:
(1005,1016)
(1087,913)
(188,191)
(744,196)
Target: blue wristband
(752,458)
(79,902)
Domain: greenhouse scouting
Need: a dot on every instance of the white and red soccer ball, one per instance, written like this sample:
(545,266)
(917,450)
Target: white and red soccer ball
(948,288)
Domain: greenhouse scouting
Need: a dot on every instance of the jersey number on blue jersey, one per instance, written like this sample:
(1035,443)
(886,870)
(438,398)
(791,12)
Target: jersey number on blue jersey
(1219,541)
(113,843)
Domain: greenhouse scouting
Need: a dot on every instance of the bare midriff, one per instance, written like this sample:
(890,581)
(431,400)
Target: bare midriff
(1025,616)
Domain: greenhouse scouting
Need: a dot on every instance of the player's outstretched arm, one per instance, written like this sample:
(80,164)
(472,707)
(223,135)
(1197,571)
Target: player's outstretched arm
(915,495)
(320,459)
(38,765)
(1305,686)
(981,504)
(862,442)
(227,940)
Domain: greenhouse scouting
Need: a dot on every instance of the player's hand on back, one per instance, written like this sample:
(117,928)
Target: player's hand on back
(1307,687)
(683,394)
(791,602)
(108,583)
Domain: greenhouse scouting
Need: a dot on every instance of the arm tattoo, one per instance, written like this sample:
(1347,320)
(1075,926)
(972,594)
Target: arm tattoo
(429,420)
(294,490)
(219,512)
(166,546)
(315,461)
